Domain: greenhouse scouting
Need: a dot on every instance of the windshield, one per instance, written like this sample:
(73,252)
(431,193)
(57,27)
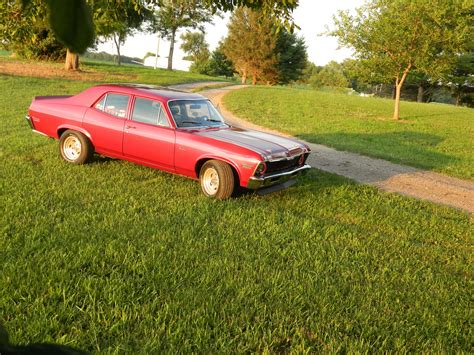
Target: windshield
(195,113)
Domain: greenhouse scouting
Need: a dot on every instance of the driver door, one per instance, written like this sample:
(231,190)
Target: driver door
(148,135)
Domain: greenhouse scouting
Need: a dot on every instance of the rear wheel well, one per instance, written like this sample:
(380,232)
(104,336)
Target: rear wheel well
(62,130)
(201,162)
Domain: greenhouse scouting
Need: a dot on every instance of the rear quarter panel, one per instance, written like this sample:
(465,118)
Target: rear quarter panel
(49,115)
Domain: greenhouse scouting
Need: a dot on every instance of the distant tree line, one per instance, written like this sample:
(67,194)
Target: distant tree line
(454,87)
(107,57)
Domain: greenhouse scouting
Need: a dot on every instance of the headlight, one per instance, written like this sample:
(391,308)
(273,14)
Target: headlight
(260,170)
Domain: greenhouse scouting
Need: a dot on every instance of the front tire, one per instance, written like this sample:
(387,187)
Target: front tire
(217,179)
(75,147)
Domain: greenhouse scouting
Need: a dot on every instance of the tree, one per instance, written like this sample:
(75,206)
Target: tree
(26,31)
(219,64)
(71,21)
(291,57)
(250,45)
(461,79)
(331,75)
(119,19)
(195,46)
(173,15)
(394,37)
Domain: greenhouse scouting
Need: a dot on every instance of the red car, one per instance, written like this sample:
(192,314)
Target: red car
(174,131)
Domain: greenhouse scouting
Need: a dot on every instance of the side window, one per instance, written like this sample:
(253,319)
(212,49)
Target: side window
(114,104)
(149,111)
(163,119)
(101,104)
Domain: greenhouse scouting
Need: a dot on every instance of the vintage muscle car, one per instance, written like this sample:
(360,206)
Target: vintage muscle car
(170,130)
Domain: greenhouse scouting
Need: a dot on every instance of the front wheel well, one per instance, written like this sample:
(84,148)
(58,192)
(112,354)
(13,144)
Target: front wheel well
(201,162)
(61,131)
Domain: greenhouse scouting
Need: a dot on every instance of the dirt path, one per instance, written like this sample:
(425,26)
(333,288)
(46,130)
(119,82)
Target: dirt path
(387,176)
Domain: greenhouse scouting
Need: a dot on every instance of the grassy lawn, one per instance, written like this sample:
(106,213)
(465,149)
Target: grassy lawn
(98,72)
(430,136)
(114,257)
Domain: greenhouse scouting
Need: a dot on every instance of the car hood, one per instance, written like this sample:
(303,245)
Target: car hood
(270,146)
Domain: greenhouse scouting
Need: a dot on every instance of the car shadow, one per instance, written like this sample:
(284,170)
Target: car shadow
(101,160)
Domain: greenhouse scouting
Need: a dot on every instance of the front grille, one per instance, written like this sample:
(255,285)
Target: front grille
(283,165)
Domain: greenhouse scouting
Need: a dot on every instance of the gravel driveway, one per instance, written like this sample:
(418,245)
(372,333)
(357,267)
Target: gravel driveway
(385,175)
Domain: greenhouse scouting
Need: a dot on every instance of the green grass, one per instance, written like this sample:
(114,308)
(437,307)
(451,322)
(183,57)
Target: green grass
(137,73)
(115,257)
(105,72)
(430,136)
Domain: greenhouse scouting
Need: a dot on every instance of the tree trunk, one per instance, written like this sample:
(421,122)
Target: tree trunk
(398,90)
(421,93)
(396,112)
(244,77)
(254,77)
(170,55)
(72,61)
(458,98)
(117,45)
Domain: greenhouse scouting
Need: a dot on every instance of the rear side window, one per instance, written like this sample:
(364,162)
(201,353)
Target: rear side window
(149,111)
(114,104)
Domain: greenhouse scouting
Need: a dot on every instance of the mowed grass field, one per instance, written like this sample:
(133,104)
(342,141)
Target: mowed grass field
(430,136)
(96,72)
(114,257)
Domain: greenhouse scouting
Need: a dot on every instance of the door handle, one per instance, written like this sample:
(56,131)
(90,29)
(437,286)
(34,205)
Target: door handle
(130,127)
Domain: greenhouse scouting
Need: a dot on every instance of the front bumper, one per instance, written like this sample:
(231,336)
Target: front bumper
(30,122)
(259,182)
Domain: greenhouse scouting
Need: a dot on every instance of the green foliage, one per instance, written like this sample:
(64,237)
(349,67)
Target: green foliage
(291,57)
(195,46)
(431,136)
(72,20)
(277,9)
(107,57)
(201,67)
(331,75)
(250,45)
(27,33)
(72,24)
(120,19)
(309,70)
(176,14)
(461,79)
(393,37)
(220,65)
(113,257)
(173,15)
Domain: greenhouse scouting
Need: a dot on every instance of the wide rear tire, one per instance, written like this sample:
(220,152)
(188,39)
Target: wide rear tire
(217,179)
(75,147)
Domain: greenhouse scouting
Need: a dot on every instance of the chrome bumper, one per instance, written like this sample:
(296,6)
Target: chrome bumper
(30,123)
(259,182)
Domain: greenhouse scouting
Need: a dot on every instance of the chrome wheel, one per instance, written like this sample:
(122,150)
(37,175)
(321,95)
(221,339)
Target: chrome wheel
(210,181)
(72,147)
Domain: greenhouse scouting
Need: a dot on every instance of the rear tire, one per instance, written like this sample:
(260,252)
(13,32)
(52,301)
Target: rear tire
(217,179)
(75,147)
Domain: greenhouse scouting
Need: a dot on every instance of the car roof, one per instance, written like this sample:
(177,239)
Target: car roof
(152,91)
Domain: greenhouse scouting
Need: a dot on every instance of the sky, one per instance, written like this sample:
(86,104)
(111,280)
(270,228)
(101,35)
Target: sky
(311,16)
